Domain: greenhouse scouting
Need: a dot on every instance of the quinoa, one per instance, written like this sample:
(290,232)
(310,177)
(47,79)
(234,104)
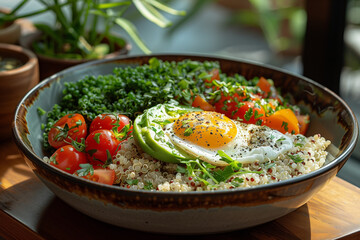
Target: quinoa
(135,169)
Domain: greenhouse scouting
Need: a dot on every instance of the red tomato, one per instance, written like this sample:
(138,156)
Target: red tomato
(68,159)
(100,146)
(202,103)
(214,75)
(227,104)
(250,112)
(264,85)
(109,121)
(102,175)
(68,128)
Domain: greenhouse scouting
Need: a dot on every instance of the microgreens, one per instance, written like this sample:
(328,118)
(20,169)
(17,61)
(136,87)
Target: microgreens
(208,171)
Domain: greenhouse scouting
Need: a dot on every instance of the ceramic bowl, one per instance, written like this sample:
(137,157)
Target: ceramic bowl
(15,83)
(194,212)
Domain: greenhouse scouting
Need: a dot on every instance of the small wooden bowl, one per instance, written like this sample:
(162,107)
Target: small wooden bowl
(15,83)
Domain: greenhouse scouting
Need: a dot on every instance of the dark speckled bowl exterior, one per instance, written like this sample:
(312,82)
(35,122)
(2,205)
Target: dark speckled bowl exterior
(194,212)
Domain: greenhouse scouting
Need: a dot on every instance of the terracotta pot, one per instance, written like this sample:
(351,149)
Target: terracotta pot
(15,83)
(10,33)
(50,65)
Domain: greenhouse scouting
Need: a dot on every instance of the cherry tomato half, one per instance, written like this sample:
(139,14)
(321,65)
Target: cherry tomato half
(70,127)
(68,159)
(102,175)
(228,104)
(199,102)
(100,146)
(250,112)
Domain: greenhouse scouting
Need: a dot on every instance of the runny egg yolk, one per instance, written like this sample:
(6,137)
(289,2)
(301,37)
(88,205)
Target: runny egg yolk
(206,129)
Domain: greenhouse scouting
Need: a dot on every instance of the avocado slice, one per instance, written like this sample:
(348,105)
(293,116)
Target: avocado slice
(149,134)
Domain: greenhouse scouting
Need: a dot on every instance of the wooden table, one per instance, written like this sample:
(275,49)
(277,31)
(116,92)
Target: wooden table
(28,210)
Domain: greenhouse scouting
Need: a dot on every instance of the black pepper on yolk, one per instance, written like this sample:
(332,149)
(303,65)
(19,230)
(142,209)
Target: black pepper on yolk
(205,129)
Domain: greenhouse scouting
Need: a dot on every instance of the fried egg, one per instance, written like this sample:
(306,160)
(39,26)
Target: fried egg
(202,134)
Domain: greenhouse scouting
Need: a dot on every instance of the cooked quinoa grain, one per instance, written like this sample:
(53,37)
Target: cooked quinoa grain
(137,170)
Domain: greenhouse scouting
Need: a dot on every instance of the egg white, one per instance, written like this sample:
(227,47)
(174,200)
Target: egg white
(252,143)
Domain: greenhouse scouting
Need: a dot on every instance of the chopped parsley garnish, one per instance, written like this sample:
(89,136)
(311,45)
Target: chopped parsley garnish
(257,115)
(148,185)
(248,114)
(188,132)
(285,126)
(97,137)
(132,181)
(86,168)
(296,158)
(53,159)
(237,181)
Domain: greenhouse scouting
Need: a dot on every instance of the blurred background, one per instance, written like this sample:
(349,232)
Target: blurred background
(319,39)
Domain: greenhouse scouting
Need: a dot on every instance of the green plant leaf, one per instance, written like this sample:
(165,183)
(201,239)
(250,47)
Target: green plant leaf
(50,32)
(98,12)
(112,5)
(133,33)
(166,8)
(149,12)
(18,7)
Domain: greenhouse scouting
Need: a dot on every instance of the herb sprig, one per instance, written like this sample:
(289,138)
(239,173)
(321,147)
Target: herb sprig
(211,175)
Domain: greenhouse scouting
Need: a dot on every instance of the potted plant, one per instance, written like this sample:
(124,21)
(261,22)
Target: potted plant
(19,72)
(82,30)
(10,30)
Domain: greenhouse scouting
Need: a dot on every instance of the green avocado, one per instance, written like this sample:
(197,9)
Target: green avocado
(149,134)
